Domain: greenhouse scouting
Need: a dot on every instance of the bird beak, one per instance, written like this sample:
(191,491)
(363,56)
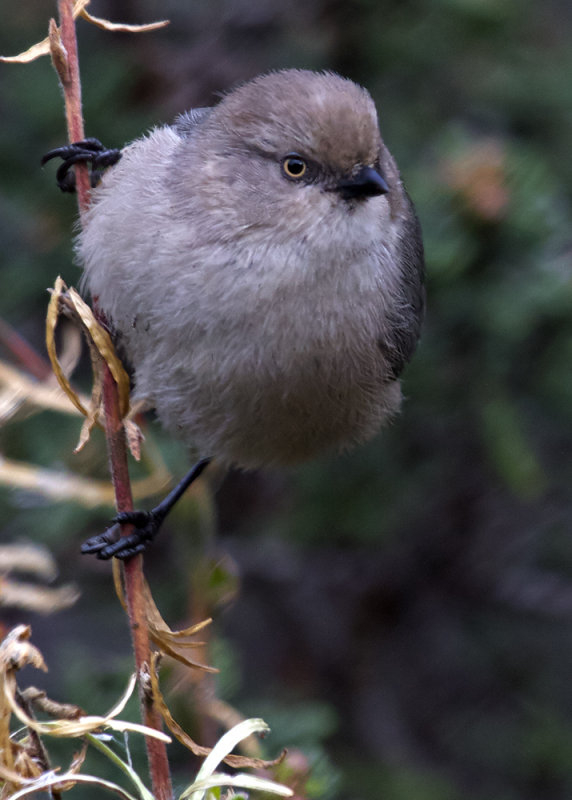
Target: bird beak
(367,182)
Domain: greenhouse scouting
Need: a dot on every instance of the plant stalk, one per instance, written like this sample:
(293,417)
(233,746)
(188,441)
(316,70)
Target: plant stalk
(67,66)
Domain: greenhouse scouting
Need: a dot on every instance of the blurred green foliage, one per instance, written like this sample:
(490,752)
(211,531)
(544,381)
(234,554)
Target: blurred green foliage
(406,607)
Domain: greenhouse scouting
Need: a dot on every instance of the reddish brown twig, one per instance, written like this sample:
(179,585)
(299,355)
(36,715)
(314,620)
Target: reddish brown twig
(65,59)
(23,352)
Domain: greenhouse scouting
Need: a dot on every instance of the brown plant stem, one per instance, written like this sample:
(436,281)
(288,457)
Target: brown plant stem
(23,352)
(69,78)
(65,59)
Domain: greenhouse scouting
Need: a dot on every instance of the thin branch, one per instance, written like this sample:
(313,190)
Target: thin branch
(65,58)
(23,352)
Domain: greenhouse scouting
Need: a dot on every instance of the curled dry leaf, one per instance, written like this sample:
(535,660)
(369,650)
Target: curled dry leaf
(89,422)
(16,652)
(18,390)
(200,789)
(48,782)
(100,348)
(102,341)
(58,486)
(11,401)
(37,561)
(95,405)
(38,599)
(39,699)
(43,48)
(69,781)
(24,765)
(62,486)
(134,434)
(134,437)
(120,27)
(79,726)
(32,558)
(236,761)
(31,54)
(30,778)
(170,643)
(18,760)
(14,778)
(51,324)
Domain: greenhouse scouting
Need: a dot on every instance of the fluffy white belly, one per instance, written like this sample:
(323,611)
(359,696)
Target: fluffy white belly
(271,389)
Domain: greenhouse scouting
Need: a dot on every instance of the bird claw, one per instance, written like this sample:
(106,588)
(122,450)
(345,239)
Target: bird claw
(146,524)
(89,151)
(111,544)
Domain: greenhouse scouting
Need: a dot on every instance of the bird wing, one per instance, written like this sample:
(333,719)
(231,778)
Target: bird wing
(401,339)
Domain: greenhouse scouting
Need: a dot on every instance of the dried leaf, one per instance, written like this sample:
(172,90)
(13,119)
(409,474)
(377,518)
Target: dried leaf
(236,761)
(24,767)
(120,27)
(26,758)
(133,432)
(20,389)
(51,323)
(35,51)
(79,7)
(104,345)
(96,400)
(16,651)
(15,778)
(160,705)
(58,486)
(28,762)
(134,436)
(71,728)
(39,599)
(58,53)
(161,630)
(43,48)
(78,759)
(11,401)
(100,345)
(73,770)
(198,790)
(226,744)
(39,699)
(39,776)
(50,780)
(31,558)
(169,642)
(86,428)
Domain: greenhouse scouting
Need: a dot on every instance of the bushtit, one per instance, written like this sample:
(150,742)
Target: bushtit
(262,267)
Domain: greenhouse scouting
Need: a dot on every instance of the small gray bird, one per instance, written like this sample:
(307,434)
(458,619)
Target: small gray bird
(262,266)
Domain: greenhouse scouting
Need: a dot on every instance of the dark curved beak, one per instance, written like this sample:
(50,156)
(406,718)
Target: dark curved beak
(367,182)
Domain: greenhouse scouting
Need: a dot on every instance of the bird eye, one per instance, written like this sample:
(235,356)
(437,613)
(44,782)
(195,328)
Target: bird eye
(294,167)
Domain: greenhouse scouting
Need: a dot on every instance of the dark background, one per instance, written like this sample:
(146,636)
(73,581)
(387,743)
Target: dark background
(401,614)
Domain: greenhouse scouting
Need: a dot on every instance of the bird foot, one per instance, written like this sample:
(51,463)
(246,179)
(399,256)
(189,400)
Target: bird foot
(89,151)
(111,544)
